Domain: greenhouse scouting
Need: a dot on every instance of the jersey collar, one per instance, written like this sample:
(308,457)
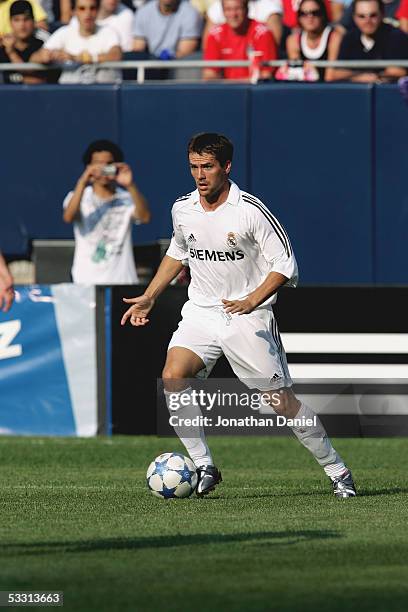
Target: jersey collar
(233,195)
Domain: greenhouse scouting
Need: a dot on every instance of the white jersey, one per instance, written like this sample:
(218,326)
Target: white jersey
(70,40)
(230,250)
(103,239)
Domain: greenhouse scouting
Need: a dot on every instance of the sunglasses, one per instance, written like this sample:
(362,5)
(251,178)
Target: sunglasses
(315,13)
(368,16)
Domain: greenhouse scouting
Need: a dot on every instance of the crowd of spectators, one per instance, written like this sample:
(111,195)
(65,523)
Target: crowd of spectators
(301,31)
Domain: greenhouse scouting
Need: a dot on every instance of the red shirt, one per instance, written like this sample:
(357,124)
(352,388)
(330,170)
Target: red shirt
(290,8)
(402,12)
(224,44)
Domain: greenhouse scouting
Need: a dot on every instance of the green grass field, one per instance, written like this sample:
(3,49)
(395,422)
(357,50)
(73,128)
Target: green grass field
(76,516)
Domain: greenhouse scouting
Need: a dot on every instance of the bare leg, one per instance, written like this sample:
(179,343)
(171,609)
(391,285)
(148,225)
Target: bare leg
(181,365)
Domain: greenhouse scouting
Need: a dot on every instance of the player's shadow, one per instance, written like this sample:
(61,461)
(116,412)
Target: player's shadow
(266,538)
(375,492)
(287,494)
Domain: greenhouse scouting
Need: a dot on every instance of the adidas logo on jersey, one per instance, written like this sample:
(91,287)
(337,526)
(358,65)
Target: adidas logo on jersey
(191,239)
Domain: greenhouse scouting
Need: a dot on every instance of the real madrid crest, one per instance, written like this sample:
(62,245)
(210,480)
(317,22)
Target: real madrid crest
(231,240)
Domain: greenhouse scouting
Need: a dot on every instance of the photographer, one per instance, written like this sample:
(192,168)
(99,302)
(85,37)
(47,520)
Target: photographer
(102,207)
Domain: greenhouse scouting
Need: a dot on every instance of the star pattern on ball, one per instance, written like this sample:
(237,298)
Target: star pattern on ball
(168,493)
(171,475)
(161,467)
(185,474)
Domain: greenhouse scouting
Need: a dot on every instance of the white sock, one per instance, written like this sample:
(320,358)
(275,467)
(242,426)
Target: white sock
(316,440)
(195,444)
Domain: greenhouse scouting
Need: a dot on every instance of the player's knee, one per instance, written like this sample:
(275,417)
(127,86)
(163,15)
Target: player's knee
(285,403)
(173,377)
(172,372)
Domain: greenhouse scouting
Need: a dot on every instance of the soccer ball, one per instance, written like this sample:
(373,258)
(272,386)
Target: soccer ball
(171,475)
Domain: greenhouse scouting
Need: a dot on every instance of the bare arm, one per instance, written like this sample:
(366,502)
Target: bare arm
(43,25)
(142,212)
(124,178)
(210,74)
(404,25)
(392,72)
(139,44)
(6,286)
(113,55)
(207,27)
(72,210)
(65,11)
(9,42)
(186,46)
(332,54)
(266,289)
(292,47)
(46,56)
(137,313)
(274,24)
(337,10)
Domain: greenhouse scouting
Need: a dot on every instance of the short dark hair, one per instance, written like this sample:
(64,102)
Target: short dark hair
(21,7)
(322,9)
(102,145)
(379,2)
(244,3)
(212,144)
(74,3)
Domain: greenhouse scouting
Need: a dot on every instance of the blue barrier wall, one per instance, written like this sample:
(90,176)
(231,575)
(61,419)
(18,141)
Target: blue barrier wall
(311,162)
(391,186)
(46,129)
(330,160)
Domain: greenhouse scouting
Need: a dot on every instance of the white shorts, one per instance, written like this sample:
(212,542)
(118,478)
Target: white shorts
(250,342)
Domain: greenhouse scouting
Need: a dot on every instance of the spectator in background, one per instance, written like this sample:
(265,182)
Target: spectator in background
(118,17)
(87,44)
(167,29)
(103,206)
(315,40)
(290,9)
(19,46)
(371,39)
(40,16)
(402,15)
(6,286)
(268,12)
(233,40)
(389,14)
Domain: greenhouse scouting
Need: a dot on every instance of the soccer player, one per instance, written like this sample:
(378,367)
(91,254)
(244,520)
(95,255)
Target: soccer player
(239,256)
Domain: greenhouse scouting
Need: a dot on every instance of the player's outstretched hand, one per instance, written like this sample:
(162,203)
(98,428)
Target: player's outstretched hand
(137,313)
(238,306)
(6,298)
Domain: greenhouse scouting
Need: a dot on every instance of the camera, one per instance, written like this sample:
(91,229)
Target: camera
(109,170)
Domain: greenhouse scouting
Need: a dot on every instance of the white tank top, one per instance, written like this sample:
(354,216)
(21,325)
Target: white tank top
(319,51)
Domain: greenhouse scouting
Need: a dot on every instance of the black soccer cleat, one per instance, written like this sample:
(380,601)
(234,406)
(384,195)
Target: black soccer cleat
(343,486)
(208,478)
